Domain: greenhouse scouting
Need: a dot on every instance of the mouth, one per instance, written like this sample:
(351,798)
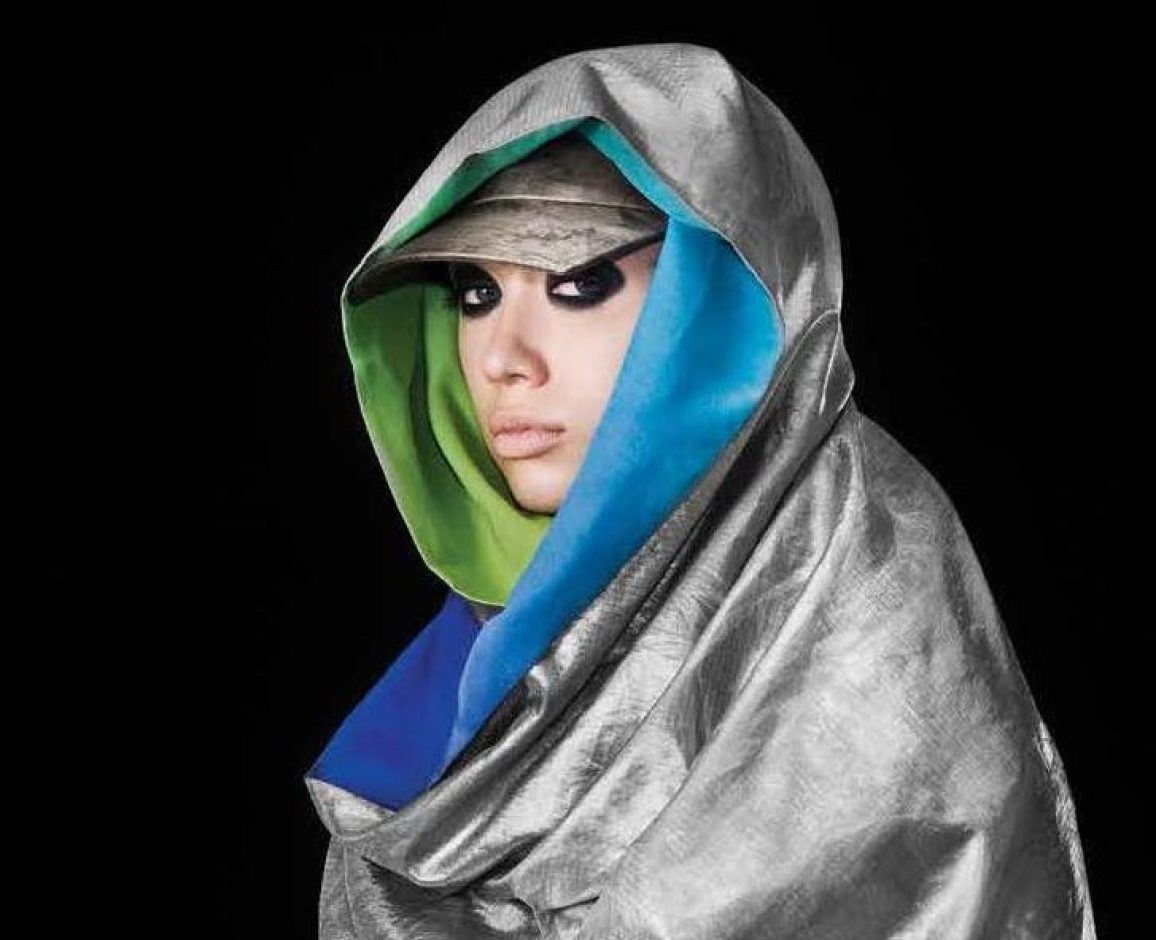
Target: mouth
(520,440)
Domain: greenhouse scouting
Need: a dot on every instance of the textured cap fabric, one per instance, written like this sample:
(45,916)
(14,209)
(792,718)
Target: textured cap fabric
(560,208)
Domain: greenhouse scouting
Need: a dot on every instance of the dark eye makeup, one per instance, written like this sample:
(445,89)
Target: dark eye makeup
(476,292)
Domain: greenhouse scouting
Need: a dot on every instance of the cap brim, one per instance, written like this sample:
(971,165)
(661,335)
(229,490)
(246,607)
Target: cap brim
(558,237)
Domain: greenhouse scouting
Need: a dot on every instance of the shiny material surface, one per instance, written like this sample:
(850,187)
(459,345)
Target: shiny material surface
(795,711)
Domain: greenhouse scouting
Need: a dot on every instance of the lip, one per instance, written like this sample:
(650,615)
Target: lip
(519,436)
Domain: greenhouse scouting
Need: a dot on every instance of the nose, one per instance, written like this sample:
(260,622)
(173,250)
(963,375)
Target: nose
(515,349)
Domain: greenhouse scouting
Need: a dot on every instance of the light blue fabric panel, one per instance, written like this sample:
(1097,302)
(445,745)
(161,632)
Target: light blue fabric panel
(702,355)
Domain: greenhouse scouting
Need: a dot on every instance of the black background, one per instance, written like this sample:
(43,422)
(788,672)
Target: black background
(983,181)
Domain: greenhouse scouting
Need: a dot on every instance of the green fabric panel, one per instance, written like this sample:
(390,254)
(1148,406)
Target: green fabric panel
(417,408)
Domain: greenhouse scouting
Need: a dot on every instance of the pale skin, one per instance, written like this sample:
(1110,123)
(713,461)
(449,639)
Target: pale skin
(528,350)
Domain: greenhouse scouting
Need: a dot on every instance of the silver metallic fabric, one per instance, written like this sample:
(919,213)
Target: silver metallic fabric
(795,713)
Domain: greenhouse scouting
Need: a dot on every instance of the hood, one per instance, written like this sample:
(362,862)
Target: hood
(750,264)
(750,679)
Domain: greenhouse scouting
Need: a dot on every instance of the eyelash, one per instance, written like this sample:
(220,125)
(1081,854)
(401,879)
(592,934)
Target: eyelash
(606,273)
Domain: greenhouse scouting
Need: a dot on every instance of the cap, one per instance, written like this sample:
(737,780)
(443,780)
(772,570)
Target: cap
(561,207)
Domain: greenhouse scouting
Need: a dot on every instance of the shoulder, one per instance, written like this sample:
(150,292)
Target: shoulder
(909,633)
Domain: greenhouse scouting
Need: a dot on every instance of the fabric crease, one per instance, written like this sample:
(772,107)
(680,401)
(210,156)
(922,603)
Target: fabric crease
(792,709)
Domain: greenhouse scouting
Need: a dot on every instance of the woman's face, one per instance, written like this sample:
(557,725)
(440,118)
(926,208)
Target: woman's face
(540,354)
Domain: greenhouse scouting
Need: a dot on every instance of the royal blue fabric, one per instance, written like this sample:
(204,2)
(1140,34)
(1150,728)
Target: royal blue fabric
(390,747)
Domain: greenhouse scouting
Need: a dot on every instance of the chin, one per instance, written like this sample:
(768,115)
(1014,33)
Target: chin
(547,507)
(537,501)
(539,492)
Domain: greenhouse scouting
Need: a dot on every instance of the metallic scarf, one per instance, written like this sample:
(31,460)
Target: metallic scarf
(794,710)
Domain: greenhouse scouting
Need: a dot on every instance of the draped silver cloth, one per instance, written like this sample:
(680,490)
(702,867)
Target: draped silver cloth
(795,712)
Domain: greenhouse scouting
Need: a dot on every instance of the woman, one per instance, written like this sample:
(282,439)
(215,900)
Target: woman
(717,659)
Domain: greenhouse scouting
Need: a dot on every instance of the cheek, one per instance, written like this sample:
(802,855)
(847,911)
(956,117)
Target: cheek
(593,358)
(596,361)
(603,344)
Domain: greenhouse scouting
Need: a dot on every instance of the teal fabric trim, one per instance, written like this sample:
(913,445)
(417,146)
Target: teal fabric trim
(702,355)
(638,172)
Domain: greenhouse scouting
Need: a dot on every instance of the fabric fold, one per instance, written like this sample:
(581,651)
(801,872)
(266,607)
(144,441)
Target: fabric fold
(750,680)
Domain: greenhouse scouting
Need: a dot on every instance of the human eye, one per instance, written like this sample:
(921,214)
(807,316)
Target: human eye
(590,286)
(474,290)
